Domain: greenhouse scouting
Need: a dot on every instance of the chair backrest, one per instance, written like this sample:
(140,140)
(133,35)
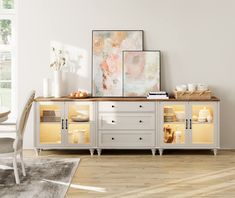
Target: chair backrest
(22,120)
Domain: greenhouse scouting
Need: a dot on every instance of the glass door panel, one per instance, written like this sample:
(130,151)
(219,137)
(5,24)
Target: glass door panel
(202,124)
(79,123)
(174,124)
(50,123)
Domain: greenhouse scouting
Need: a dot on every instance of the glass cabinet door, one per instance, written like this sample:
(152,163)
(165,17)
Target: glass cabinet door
(50,123)
(202,123)
(79,123)
(174,123)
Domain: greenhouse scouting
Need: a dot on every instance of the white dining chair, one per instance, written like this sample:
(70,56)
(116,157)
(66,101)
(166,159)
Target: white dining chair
(10,147)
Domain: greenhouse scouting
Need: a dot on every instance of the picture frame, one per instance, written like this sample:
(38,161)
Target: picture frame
(107,48)
(141,72)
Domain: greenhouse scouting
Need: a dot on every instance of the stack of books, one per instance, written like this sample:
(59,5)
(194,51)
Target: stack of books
(158,95)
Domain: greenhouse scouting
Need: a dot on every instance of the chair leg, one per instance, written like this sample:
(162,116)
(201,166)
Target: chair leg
(15,170)
(22,163)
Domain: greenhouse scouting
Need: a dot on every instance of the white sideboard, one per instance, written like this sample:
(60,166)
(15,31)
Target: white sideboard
(126,123)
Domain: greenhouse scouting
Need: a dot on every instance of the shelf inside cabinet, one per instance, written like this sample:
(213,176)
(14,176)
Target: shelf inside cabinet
(72,122)
(50,122)
(174,122)
(44,142)
(206,142)
(195,122)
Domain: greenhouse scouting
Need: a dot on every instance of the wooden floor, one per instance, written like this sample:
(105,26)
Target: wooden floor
(131,174)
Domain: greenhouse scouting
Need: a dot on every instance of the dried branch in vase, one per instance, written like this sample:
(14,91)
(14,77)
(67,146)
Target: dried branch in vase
(59,60)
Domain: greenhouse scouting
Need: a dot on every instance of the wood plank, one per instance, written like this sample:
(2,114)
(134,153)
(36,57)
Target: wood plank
(64,99)
(130,174)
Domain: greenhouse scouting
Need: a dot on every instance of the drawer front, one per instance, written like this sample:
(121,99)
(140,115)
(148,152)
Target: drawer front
(125,139)
(126,106)
(110,121)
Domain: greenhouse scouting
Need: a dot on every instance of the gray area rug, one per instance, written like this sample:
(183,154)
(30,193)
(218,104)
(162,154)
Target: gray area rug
(46,178)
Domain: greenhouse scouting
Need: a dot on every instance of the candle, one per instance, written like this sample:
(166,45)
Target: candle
(46,87)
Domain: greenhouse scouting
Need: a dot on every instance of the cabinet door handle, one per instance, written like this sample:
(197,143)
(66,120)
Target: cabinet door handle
(66,123)
(140,121)
(186,124)
(113,106)
(140,138)
(113,121)
(62,123)
(140,106)
(190,123)
(112,138)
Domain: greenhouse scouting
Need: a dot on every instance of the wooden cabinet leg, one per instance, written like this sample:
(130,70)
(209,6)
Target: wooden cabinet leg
(92,152)
(160,152)
(99,152)
(215,151)
(153,151)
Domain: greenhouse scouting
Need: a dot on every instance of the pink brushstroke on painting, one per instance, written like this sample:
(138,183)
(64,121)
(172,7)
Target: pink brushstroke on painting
(135,63)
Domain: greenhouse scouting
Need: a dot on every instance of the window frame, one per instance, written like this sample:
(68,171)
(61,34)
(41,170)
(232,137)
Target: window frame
(11,14)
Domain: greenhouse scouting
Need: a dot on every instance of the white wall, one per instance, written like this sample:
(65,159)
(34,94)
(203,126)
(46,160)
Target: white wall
(196,37)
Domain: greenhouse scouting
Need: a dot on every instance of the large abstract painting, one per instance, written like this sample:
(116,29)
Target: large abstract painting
(107,49)
(141,72)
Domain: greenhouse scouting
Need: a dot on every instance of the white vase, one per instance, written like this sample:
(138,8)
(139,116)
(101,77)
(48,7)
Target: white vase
(57,84)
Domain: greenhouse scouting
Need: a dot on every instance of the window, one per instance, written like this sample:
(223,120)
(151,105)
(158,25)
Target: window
(8,54)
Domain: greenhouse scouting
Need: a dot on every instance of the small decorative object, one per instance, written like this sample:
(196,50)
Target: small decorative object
(107,59)
(180,116)
(50,116)
(181,88)
(195,118)
(178,137)
(202,87)
(209,118)
(79,94)
(141,72)
(203,114)
(192,87)
(195,95)
(47,87)
(168,134)
(57,63)
(158,95)
(82,116)
(79,136)
(169,114)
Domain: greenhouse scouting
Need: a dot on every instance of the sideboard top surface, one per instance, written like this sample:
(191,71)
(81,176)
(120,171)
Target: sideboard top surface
(126,99)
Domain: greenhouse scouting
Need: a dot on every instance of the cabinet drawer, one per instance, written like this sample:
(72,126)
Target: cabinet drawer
(126,106)
(144,139)
(137,121)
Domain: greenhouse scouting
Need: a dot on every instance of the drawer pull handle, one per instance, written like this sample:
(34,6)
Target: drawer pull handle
(140,121)
(140,138)
(112,138)
(140,106)
(113,121)
(113,106)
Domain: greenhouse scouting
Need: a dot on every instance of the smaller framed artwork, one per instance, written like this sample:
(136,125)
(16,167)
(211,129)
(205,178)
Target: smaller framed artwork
(141,72)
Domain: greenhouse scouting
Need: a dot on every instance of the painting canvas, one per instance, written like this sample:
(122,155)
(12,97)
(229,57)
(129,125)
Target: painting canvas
(141,72)
(107,51)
